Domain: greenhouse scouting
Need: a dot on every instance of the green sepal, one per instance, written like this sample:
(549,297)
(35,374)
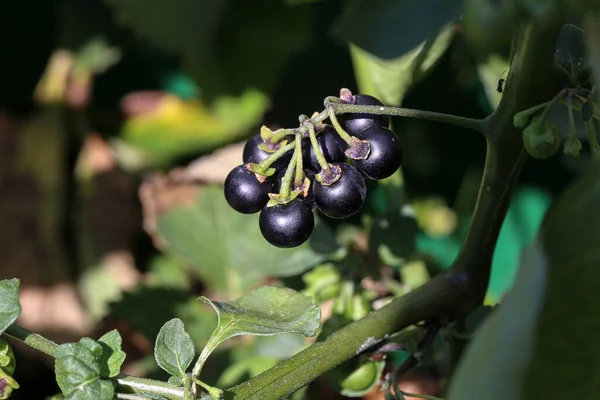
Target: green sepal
(265,133)
(272,148)
(276,199)
(337,174)
(261,174)
(572,147)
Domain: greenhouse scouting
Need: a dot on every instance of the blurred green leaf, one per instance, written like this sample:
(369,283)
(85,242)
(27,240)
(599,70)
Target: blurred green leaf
(567,329)
(389,80)
(494,364)
(174,348)
(266,311)
(178,127)
(394,236)
(112,356)
(570,51)
(168,272)
(248,367)
(390,28)
(322,283)
(226,248)
(9,302)
(78,371)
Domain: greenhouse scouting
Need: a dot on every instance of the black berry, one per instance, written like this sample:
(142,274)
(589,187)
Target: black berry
(332,146)
(358,122)
(287,225)
(344,197)
(309,200)
(253,154)
(244,193)
(385,156)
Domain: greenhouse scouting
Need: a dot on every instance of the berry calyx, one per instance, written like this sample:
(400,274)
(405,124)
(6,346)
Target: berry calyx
(287,225)
(244,192)
(541,138)
(309,198)
(331,145)
(254,154)
(345,196)
(354,123)
(385,156)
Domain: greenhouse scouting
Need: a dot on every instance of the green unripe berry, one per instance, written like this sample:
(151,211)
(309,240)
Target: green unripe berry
(572,147)
(541,138)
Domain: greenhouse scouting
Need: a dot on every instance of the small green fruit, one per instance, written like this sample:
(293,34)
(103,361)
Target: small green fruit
(541,138)
(572,147)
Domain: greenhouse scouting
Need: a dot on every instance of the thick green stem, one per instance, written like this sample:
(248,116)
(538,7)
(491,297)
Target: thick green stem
(31,339)
(593,137)
(470,123)
(286,182)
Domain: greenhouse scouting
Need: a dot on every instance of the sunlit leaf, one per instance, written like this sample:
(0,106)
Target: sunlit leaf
(9,302)
(174,348)
(490,72)
(78,371)
(112,356)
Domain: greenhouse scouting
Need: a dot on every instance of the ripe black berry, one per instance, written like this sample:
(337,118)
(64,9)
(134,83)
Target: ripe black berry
(309,200)
(358,122)
(332,146)
(253,154)
(344,197)
(244,193)
(287,225)
(385,156)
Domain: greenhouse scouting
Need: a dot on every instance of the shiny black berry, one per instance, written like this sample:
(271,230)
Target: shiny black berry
(287,225)
(244,193)
(344,197)
(332,146)
(309,200)
(358,122)
(253,154)
(385,156)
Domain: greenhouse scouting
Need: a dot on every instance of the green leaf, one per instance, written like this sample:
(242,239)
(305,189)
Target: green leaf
(174,348)
(390,28)
(494,364)
(7,369)
(567,329)
(322,283)
(112,356)
(78,368)
(390,80)
(9,302)
(570,52)
(266,311)
(490,72)
(227,249)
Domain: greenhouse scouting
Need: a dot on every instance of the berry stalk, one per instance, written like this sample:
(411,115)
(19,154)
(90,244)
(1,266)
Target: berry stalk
(299,176)
(336,124)
(266,163)
(318,153)
(286,182)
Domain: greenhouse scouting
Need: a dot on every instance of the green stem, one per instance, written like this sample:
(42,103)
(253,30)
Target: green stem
(214,392)
(286,182)
(470,123)
(317,149)
(299,176)
(334,121)
(125,396)
(31,339)
(280,134)
(266,163)
(420,396)
(572,130)
(126,384)
(210,346)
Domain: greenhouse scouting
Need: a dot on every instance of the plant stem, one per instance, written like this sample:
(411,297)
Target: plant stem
(338,128)
(127,384)
(280,134)
(317,149)
(266,163)
(593,137)
(286,182)
(31,339)
(470,123)
(420,396)
(299,176)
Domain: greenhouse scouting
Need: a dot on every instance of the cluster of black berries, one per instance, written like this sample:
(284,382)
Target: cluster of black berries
(338,193)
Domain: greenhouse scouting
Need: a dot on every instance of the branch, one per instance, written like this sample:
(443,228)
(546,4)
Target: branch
(464,286)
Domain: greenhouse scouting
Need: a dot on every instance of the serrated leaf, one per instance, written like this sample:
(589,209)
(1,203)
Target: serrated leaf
(266,311)
(488,370)
(226,248)
(390,80)
(391,28)
(10,308)
(174,348)
(112,356)
(77,369)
